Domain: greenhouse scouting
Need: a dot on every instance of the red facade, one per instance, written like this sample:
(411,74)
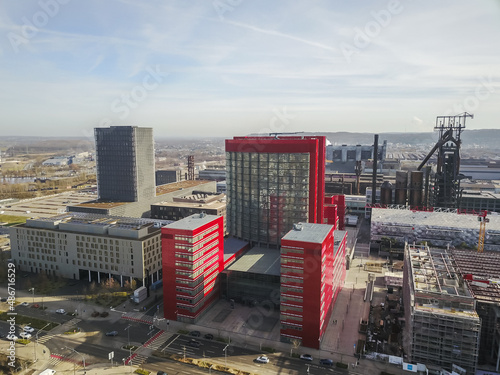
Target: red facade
(312,274)
(192,256)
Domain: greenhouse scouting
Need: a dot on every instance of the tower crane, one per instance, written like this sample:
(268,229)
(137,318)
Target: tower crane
(482,230)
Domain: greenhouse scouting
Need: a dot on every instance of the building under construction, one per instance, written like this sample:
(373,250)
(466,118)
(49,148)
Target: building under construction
(442,326)
(481,271)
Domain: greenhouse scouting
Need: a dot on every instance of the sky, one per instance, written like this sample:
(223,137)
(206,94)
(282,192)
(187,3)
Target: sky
(234,67)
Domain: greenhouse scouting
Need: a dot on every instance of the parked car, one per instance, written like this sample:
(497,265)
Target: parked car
(28,329)
(104,314)
(195,333)
(194,343)
(12,337)
(262,359)
(61,311)
(25,304)
(35,306)
(161,373)
(112,333)
(25,335)
(306,357)
(326,362)
(94,314)
(209,336)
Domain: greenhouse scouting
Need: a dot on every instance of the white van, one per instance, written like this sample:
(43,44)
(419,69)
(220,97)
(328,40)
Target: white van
(48,372)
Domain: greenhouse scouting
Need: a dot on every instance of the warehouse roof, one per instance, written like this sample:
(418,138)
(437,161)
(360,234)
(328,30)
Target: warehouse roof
(443,218)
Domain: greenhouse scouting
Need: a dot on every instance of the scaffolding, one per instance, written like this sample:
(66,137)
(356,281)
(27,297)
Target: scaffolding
(484,270)
(443,327)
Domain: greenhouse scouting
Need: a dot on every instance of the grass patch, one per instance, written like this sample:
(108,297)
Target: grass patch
(73,331)
(34,322)
(12,219)
(142,372)
(341,365)
(107,299)
(23,341)
(268,349)
(130,347)
(202,363)
(182,332)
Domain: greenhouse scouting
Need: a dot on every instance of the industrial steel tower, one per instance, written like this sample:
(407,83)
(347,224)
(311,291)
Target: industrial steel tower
(447,178)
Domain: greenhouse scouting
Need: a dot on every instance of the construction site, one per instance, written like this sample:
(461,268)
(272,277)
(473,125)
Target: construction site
(442,326)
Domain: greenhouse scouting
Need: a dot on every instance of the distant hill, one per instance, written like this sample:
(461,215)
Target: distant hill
(488,138)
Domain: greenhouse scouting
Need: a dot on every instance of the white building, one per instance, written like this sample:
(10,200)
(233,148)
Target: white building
(91,247)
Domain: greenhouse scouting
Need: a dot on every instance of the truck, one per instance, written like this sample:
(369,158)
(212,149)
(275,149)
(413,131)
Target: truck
(140,294)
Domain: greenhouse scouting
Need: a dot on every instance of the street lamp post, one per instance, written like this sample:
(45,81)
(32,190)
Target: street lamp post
(35,343)
(32,290)
(83,358)
(225,354)
(129,347)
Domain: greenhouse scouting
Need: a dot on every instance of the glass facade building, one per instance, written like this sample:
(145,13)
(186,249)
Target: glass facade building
(273,183)
(125,163)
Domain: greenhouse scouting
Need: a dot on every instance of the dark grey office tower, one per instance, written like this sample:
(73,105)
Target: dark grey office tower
(125,163)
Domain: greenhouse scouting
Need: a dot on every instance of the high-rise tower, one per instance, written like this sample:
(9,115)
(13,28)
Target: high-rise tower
(272,183)
(125,163)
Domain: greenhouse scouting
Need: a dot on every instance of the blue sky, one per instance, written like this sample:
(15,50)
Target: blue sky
(233,67)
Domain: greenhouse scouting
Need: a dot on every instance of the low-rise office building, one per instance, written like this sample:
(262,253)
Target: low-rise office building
(90,247)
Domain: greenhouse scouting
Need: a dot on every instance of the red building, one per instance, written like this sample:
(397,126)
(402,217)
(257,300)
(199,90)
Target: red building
(335,211)
(192,257)
(312,274)
(273,182)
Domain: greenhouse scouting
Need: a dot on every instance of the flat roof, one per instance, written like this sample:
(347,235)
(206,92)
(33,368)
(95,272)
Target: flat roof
(160,190)
(192,222)
(45,206)
(195,204)
(258,260)
(445,218)
(168,188)
(232,245)
(308,232)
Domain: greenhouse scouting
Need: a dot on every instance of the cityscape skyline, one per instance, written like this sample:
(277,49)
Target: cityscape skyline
(226,68)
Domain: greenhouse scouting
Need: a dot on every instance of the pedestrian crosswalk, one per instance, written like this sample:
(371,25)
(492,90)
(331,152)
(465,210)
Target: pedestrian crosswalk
(159,341)
(60,329)
(138,317)
(55,359)
(138,359)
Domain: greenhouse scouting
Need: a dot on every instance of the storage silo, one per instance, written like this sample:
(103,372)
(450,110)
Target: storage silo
(386,193)
(416,186)
(401,186)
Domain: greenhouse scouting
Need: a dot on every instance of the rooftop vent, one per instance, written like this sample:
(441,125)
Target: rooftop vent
(297,226)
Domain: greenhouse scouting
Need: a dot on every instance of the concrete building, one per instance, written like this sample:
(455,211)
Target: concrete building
(441,228)
(164,193)
(193,257)
(479,201)
(312,275)
(441,325)
(89,247)
(166,177)
(212,174)
(272,183)
(196,203)
(125,163)
(481,272)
